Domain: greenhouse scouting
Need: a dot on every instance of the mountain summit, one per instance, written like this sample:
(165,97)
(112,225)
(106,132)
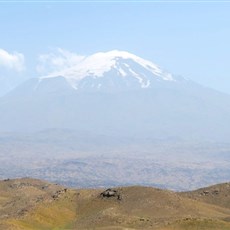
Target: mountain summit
(111,70)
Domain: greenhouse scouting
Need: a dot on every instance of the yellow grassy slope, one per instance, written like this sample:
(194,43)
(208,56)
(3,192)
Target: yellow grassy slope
(140,208)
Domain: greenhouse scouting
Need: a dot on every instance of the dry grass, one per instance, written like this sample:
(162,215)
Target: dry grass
(48,206)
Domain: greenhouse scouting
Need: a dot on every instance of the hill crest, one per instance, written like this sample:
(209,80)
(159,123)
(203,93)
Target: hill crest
(33,204)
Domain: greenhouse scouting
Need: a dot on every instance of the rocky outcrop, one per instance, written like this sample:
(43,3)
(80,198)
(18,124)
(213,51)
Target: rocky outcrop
(111,193)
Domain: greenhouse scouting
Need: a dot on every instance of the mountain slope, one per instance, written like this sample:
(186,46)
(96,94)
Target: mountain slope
(216,194)
(33,204)
(160,113)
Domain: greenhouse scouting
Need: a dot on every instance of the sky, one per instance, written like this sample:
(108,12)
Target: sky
(187,38)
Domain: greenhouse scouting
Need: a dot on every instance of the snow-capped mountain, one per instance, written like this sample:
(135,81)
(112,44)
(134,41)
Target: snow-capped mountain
(114,70)
(117,93)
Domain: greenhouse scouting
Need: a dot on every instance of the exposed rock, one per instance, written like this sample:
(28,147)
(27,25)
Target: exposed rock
(205,192)
(215,192)
(108,193)
(57,194)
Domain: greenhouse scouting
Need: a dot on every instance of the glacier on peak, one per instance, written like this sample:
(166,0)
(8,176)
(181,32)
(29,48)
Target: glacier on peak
(117,63)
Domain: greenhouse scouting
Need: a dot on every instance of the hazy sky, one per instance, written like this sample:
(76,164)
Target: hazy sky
(191,39)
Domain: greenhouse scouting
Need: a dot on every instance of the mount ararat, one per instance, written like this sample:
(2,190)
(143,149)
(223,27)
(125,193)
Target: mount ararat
(115,119)
(117,94)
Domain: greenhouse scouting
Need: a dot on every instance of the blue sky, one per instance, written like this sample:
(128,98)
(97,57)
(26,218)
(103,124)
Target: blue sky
(185,38)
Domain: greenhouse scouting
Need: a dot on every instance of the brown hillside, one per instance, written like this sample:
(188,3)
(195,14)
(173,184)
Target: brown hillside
(216,194)
(33,204)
